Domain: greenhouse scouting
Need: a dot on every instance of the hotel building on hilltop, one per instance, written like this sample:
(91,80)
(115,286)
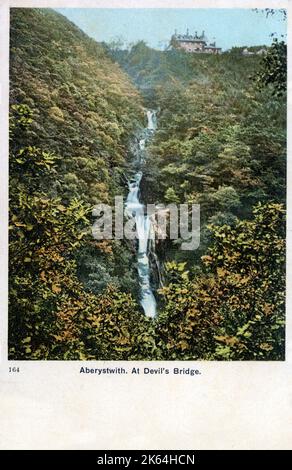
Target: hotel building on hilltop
(194,43)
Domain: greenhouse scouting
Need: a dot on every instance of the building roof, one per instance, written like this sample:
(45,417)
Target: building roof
(191,38)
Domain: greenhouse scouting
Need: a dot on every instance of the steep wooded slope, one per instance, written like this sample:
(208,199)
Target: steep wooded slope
(84,106)
(73,112)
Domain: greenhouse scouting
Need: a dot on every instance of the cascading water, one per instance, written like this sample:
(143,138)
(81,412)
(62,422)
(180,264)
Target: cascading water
(134,208)
(151,116)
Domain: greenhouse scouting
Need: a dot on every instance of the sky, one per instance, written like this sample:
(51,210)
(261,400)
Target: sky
(230,27)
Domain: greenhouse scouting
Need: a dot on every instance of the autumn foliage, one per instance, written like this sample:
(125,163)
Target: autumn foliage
(220,143)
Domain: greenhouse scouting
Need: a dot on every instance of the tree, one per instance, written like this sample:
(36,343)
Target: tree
(51,315)
(235,308)
(273,68)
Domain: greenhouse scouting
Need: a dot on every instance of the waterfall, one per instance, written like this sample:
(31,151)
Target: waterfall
(134,208)
(151,116)
(142,144)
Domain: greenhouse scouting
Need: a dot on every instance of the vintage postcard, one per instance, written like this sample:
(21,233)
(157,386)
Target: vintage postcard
(144,191)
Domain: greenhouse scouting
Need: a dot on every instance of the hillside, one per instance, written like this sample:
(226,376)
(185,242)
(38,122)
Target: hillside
(73,113)
(221,141)
(84,107)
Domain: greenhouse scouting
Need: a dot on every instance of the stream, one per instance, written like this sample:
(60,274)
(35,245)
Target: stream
(145,232)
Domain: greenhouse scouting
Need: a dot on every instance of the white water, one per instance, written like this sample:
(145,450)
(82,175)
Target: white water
(134,208)
(142,144)
(151,116)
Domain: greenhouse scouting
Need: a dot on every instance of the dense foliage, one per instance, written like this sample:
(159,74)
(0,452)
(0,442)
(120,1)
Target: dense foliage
(84,110)
(273,69)
(235,308)
(72,113)
(51,315)
(220,143)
